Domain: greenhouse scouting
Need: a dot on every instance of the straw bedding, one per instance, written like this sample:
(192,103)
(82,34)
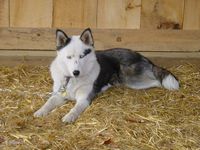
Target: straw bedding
(120,118)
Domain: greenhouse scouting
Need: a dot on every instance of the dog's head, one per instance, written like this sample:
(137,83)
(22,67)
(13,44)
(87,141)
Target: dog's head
(76,53)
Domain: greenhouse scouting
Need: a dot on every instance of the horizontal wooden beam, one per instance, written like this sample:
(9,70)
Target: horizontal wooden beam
(45,60)
(27,38)
(50,53)
(138,40)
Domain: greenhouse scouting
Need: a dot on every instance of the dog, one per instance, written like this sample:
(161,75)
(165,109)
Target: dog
(83,73)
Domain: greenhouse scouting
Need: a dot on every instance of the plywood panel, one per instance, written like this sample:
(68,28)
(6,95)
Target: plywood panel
(119,14)
(75,13)
(139,40)
(192,14)
(4,13)
(162,14)
(31,13)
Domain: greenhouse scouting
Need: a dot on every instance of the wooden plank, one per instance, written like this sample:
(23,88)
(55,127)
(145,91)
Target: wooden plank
(119,14)
(4,13)
(33,53)
(50,53)
(45,60)
(22,55)
(75,13)
(29,60)
(139,40)
(31,13)
(192,14)
(148,40)
(162,14)
(27,38)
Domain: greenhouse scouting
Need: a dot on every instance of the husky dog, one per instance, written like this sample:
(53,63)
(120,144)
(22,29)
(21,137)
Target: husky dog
(83,73)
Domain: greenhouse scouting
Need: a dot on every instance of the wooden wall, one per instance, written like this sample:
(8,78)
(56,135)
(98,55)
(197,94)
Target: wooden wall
(157,28)
(107,14)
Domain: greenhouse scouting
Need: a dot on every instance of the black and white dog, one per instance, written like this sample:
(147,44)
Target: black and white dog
(83,73)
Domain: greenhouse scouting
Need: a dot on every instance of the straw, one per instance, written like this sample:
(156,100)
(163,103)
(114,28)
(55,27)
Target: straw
(120,118)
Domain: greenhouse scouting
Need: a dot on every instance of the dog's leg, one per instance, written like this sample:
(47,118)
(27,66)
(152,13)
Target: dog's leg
(60,85)
(74,113)
(54,101)
(83,99)
(59,82)
(59,79)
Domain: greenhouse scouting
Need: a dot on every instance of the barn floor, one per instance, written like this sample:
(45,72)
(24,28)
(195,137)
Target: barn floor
(120,118)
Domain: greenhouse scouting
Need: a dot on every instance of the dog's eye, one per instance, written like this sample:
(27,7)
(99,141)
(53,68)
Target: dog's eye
(81,56)
(87,51)
(69,57)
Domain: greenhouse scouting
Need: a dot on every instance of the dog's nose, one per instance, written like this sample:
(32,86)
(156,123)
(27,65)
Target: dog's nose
(76,73)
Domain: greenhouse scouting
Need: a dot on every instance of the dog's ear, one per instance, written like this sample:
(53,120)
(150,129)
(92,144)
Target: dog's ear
(87,37)
(61,39)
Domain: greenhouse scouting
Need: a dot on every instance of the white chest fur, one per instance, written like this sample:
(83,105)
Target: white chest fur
(72,87)
(83,84)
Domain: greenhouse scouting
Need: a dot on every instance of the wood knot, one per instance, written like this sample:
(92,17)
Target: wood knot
(169,25)
(118,39)
(131,6)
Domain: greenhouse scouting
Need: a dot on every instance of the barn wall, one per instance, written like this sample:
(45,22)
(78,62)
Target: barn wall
(124,14)
(161,26)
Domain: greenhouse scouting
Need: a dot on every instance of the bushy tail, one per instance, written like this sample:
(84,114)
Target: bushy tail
(166,78)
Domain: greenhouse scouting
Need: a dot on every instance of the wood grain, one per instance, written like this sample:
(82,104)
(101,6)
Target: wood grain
(139,40)
(45,60)
(42,53)
(119,14)
(27,38)
(31,13)
(192,15)
(75,13)
(148,40)
(4,13)
(162,14)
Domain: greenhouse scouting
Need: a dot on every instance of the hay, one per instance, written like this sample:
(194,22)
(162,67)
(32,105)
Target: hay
(120,118)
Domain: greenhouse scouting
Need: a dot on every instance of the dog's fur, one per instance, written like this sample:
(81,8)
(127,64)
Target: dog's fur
(84,73)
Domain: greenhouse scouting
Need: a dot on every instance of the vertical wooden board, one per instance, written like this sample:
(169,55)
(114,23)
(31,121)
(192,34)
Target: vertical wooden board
(162,14)
(119,14)
(75,13)
(4,13)
(31,13)
(192,14)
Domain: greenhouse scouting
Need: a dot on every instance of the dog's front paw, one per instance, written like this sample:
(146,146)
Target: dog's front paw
(40,113)
(69,118)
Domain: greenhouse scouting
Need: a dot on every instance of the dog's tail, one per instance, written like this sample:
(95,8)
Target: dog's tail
(166,78)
